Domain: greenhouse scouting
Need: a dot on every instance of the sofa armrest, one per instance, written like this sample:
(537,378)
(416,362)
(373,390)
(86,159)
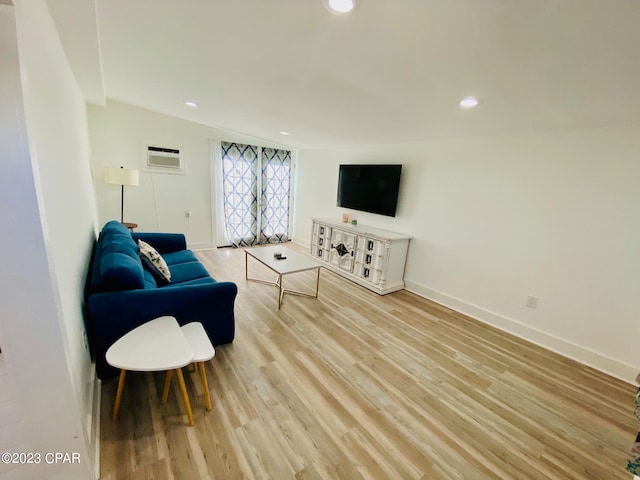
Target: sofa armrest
(162,242)
(113,314)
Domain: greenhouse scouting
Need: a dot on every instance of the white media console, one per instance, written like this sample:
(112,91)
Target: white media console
(371,257)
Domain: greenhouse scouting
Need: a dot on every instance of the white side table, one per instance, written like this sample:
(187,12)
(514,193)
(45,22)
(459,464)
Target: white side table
(157,345)
(203,351)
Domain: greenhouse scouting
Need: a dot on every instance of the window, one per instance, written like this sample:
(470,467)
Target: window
(254,194)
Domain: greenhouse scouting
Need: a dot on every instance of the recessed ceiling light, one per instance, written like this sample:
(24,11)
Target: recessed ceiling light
(191,104)
(284,133)
(469,102)
(339,6)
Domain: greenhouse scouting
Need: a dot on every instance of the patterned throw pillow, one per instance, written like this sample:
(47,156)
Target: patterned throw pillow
(154,262)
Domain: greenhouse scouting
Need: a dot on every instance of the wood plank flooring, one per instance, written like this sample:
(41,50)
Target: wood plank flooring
(354,385)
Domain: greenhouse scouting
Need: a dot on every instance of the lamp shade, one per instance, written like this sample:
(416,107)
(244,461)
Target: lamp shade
(121,176)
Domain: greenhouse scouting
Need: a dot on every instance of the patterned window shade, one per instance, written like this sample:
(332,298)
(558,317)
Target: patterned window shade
(247,170)
(240,185)
(276,183)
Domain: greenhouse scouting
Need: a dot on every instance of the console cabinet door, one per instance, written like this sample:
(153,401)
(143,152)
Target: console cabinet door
(320,241)
(342,252)
(370,260)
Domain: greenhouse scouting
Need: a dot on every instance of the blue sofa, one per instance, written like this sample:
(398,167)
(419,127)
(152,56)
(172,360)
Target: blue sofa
(122,294)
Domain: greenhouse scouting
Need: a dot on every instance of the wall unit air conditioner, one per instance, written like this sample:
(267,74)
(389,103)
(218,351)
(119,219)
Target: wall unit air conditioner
(164,158)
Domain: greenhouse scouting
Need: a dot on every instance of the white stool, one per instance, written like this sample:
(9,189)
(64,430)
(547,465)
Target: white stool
(203,351)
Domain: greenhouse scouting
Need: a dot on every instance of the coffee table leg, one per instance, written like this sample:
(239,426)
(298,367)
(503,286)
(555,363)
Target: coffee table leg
(280,290)
(167,386)
(116,406)
(205,387)
(185,395)
(246,265)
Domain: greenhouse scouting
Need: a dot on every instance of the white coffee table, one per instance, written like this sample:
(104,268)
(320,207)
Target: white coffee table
(293,263)
(157,345)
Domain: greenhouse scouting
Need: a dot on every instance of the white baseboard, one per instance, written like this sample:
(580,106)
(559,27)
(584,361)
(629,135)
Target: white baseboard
(201,246)
(610,366)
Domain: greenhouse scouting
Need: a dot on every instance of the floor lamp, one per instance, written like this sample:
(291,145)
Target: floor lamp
(123,177)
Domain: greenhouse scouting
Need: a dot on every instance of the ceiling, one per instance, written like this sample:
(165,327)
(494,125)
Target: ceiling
(391,71)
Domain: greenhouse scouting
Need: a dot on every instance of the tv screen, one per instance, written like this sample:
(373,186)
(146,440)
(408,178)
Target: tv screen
(369,188)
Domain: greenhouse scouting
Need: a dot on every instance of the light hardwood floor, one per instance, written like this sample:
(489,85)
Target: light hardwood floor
(355,385)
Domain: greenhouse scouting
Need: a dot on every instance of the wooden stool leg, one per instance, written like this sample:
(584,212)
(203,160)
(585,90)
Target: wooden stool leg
(116,406)
(185,395)
(167,386)
(205,387)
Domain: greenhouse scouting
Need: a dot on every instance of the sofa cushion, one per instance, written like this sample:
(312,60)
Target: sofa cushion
(120,271)
(181,256)
(113,244)
(116,232)
(195,281)
(154,263)
(149,281)
(114,237)
(162,242)
(184,272)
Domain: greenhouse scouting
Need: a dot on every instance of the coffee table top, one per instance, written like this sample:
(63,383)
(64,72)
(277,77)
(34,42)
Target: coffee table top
(154,346)
(295,262)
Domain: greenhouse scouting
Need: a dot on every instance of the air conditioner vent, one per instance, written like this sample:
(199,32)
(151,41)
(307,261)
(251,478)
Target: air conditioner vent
(162,157)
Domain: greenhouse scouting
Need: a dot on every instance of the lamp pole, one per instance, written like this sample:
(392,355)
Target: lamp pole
(123,177)
(122,204)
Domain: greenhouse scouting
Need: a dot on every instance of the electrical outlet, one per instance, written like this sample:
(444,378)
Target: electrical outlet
(532,302)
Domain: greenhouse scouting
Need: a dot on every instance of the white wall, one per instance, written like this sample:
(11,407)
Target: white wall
(49,209)
(119,134)
(20,258)
(495,219)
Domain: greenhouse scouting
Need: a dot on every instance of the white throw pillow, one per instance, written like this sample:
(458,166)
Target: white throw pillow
(154,262)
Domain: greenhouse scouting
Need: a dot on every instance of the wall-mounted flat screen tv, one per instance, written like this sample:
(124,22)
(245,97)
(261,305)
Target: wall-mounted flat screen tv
(369,188)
